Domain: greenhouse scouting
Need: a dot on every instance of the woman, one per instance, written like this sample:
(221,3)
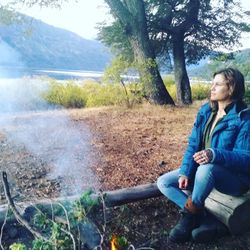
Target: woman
(217,155)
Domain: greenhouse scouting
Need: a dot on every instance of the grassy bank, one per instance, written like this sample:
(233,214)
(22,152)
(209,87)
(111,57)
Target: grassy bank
(93,94)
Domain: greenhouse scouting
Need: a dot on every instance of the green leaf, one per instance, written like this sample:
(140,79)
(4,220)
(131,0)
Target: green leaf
(18,246)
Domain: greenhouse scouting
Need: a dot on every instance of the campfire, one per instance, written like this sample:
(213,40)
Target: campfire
(113,243)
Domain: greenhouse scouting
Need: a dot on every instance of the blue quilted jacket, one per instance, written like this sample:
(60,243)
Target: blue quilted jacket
(230,142)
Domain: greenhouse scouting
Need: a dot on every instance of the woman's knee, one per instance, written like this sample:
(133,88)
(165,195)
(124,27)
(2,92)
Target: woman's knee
(168,179)
(204,171)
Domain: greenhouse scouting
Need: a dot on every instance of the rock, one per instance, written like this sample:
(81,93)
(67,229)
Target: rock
(162,164)
(90,234)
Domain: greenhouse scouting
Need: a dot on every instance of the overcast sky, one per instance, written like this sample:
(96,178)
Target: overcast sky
(82,17)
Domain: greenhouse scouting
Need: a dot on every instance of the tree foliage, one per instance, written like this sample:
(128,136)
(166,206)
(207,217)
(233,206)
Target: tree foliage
(187,29)
(131,18)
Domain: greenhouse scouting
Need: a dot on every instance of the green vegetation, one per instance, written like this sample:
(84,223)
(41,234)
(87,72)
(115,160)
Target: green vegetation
(63,233)
(91,94)
(18,246)
(200,91)
(72,225)
(68,95)
(238,59)
(94,94)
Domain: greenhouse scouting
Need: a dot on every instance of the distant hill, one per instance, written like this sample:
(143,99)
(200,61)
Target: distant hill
(237,59)
(35,44)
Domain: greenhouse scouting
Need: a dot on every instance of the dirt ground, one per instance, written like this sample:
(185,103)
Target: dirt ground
(128,147)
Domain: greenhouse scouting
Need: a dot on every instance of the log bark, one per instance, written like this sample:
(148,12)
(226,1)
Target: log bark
(131,194)
(233,211)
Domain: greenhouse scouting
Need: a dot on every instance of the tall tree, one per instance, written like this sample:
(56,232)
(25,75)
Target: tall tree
(189,30)
(194,28)
(131,15)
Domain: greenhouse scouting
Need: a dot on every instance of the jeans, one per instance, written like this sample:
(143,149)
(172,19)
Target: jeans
(207,177)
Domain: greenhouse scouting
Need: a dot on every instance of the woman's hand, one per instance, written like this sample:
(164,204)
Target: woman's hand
(203,157)
(183,182)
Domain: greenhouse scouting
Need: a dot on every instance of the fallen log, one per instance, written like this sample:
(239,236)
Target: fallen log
(131,194)
(234,212)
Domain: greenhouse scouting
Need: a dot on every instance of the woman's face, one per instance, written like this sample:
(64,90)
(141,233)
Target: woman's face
(219,90)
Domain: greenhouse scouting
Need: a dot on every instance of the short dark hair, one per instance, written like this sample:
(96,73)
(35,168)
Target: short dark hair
(235,80)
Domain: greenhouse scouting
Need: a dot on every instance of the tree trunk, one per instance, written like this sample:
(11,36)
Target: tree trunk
(132,16)
(184,96)
(151,78)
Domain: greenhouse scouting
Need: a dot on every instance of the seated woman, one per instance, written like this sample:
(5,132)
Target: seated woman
(217,155)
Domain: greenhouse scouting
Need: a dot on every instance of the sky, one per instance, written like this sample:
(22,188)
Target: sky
(82,17)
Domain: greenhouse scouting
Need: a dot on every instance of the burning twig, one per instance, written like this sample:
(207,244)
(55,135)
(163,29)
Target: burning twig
(15,211)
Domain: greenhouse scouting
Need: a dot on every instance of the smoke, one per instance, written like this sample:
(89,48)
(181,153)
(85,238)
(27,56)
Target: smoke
(22,94)
(48,133)
(53,137)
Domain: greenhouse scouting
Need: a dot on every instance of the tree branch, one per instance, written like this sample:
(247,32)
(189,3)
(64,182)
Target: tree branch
(120,10)
(16,213)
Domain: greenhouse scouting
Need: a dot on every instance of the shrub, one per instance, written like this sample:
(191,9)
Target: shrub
(69,95)
(200,91)
(18,246)
(92,94)
(103,94)
(168,80)
(172,91)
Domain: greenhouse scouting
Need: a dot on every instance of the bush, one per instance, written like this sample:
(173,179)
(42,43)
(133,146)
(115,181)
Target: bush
(200,91)
(18,246)
(104,94)
(168,80)
(92,94)
(69,95)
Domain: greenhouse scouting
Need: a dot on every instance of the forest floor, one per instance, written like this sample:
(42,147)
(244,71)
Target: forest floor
(129,147)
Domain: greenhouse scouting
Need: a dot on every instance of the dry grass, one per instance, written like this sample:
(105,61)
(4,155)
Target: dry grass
(132,146)
(137,145)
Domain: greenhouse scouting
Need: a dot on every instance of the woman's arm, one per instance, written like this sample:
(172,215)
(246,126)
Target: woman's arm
(189,166)
(239,158)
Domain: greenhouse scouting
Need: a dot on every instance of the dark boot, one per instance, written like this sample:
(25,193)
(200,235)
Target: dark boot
(210,229)
(188,221)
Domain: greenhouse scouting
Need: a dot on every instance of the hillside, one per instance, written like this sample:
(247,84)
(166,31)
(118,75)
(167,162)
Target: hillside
(238,59)
(35,44)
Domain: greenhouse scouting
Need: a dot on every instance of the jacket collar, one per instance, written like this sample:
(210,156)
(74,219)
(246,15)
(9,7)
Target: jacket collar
(245,111)
(233,109)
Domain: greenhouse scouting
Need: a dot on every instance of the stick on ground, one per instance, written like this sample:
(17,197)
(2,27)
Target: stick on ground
(15,211)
